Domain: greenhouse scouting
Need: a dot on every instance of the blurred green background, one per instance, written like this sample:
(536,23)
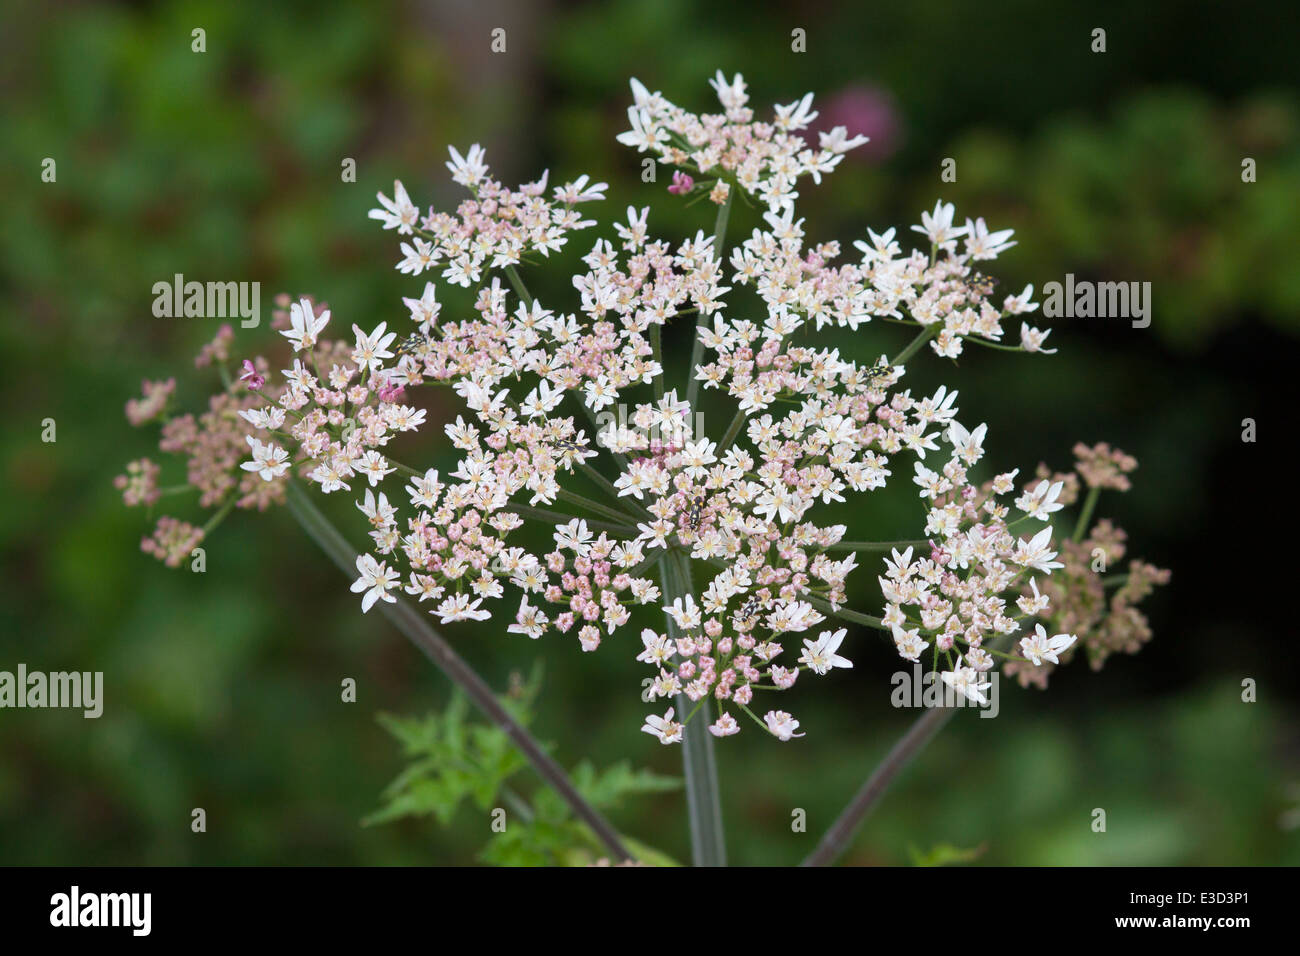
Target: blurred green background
(222,689)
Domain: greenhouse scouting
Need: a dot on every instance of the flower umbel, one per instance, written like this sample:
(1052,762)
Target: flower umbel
(739,510)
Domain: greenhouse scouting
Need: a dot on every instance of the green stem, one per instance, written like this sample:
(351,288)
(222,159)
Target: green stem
(657,353)
(844,614)
(607,486)
(836,839)
(220,516)
(517,283)
(733,430)
(703,799)
(973,340)
(559,517)
(611,514)
(927,333)
(1089,504)
(876,545)
(413,624)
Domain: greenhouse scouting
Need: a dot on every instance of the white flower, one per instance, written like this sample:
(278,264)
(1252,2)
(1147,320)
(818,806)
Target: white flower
(305,325)
(372,349)
(573,536)
(374,466)
(1041,501)
(426,308)
(377,579)
(1017,304)
(658,648)
(1031,339)
(909,643)
(529,621)
(837,140)
(580,190)
(794,616)
(1038,647)
(724,726)
(1032,605)
(330,476)
(731,95)
(645,133)
(269,461)
(397,213)
(459,608)
(541,400)
(381,513)
(937,226)
(685,613)
(1035,553)
(665,728)
(981,244)
(969,446)
(467,170)
(796,115)
(820,655)
(966,681)
(781,724)
(268,418)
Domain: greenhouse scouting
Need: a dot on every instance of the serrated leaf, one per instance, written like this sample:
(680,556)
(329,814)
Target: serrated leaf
(608,787)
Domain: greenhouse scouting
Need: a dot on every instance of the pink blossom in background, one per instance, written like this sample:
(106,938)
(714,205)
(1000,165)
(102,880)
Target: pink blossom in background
(864,111)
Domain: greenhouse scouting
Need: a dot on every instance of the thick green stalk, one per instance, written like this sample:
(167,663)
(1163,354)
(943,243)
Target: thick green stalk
(703,798)
(925,335)
(1089,505)
(413,624)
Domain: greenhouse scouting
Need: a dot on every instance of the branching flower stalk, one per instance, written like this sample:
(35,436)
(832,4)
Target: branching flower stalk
(723,532)
(436,648)
(837,838)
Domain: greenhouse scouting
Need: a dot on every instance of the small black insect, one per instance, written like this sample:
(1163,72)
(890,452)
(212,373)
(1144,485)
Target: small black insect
(749,608)
(697,506)
(566,445)
(980,284)
(878,372)
(413,343)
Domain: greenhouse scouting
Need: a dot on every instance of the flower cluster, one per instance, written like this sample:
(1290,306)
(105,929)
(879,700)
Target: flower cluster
(494,229)
(765,159)
(720,532)
(980,582)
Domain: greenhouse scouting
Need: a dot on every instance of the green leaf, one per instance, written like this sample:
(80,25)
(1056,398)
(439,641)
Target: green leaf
(944,854)
(451,760)
(607,788)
